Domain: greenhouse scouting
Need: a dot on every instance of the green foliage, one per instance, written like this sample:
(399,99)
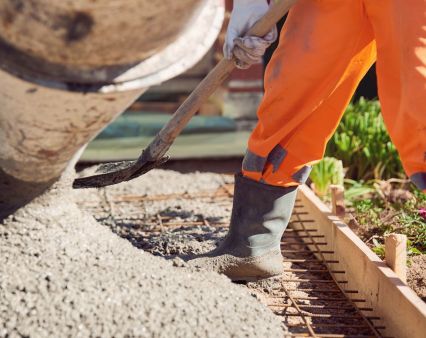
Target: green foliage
(412,251)
(419,196)
(382,217)
(355,190)
(363,147)
(378,248)
(363,144)
(325,173)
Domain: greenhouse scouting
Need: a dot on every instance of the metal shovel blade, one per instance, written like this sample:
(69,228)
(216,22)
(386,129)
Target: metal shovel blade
(117,172)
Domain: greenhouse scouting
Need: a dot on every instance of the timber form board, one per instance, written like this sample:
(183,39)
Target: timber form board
(403,312)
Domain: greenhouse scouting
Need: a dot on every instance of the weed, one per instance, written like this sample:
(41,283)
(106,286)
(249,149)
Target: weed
(379,217)
(326,172)
(378,248)
(355,190)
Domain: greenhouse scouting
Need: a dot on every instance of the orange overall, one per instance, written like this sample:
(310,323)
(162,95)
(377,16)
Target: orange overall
(325,49)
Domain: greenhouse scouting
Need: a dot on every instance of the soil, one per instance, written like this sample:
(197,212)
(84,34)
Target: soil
(366,228)
(62,274)
(416,276)
(416,269)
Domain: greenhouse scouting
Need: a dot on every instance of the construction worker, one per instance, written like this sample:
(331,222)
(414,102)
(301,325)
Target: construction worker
(325,49)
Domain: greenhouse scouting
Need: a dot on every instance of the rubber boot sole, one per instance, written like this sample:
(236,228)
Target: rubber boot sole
(246,269)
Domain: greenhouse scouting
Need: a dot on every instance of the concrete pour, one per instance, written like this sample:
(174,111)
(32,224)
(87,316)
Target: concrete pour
(62,274)
(129,220)
(193,223)
(131,210)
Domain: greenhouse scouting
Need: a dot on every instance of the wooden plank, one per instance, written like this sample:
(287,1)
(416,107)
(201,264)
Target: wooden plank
(396,254)
(403,312)
(338,200)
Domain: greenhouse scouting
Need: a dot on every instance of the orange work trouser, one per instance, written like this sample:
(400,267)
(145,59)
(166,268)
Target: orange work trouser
(325,49)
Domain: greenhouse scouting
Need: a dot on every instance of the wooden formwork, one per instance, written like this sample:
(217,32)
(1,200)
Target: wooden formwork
(402,311)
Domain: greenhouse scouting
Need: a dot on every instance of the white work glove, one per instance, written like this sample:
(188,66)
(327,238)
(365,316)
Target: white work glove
(247,50)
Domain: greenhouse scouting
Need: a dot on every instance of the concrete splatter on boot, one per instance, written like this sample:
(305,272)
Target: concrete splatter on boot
(251,249)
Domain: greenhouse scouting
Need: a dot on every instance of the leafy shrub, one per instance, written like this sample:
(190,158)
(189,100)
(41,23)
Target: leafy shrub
(326,172)
(363,144)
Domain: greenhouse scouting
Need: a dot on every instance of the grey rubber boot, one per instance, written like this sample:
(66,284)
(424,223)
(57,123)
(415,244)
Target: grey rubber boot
(251,249)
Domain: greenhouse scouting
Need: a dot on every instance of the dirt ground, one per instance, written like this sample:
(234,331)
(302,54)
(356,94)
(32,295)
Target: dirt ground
(416,276)
(416,269)
(62,274)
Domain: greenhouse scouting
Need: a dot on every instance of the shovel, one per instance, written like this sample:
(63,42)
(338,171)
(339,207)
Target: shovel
(154,155)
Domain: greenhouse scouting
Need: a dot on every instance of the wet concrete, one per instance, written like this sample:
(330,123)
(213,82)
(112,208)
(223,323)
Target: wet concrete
(167,214)
(15,193)
(62,274)
(159,194)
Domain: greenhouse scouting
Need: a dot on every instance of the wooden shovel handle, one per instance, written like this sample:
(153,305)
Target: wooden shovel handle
(164,139)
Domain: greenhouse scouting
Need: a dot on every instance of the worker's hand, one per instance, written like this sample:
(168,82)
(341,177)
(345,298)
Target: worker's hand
(247,50)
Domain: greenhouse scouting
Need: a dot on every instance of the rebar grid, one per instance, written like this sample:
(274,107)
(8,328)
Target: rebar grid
(309,298)
(351,305)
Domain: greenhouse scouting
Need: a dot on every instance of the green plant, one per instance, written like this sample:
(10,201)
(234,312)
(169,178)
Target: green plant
(325,173)
(355,190)
(411,250)
(379,218)
(378,248)
(363,144)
